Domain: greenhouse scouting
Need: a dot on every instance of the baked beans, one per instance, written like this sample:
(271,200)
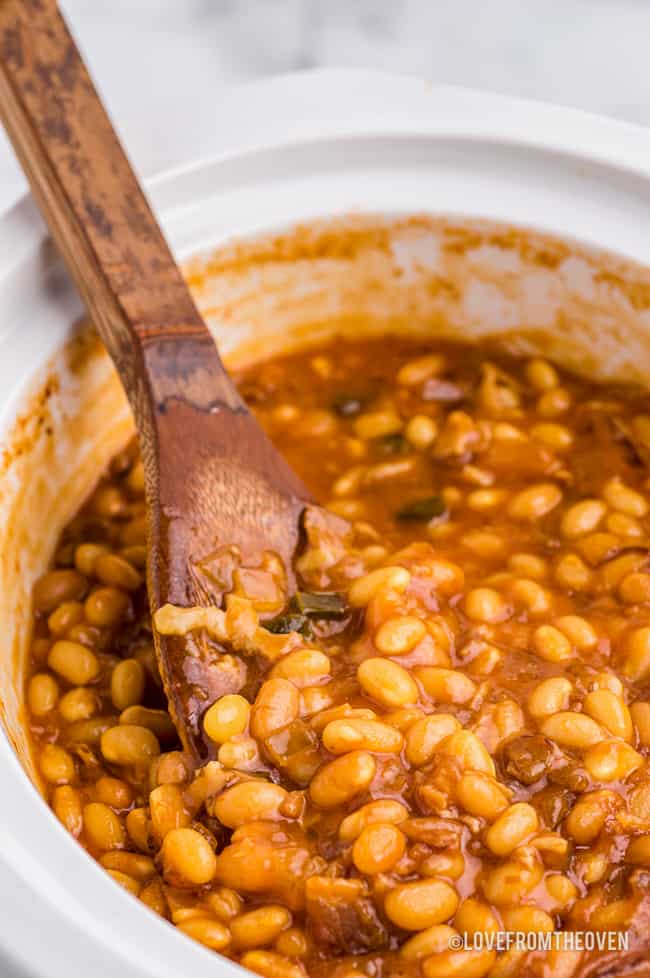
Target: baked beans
(445,731)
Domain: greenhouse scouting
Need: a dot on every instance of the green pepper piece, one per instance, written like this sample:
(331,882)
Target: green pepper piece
(423,509)
(321,604)
(395,444)
(284,624)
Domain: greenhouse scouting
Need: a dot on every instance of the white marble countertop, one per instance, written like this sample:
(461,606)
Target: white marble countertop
(151,57)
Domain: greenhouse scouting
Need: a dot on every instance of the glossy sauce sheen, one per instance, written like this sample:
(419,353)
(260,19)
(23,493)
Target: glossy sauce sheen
(481,667)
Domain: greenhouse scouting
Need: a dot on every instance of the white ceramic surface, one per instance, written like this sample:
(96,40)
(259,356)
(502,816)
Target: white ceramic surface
(294,148)
(590,54)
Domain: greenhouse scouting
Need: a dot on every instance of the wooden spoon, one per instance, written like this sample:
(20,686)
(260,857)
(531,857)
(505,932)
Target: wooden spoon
(212,476)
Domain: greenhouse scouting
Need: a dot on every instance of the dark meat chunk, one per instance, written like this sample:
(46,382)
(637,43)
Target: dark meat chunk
(440,833)
(553,804)
(341,917)
(527,758)
(570,775)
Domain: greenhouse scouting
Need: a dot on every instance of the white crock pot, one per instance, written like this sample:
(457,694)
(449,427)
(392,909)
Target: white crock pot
(293,149)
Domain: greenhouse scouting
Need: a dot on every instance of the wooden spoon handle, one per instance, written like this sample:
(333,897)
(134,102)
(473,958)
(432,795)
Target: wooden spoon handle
(97,212)
(183,399)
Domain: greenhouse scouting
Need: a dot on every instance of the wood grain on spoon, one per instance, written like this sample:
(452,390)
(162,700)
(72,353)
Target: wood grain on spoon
(212,475)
